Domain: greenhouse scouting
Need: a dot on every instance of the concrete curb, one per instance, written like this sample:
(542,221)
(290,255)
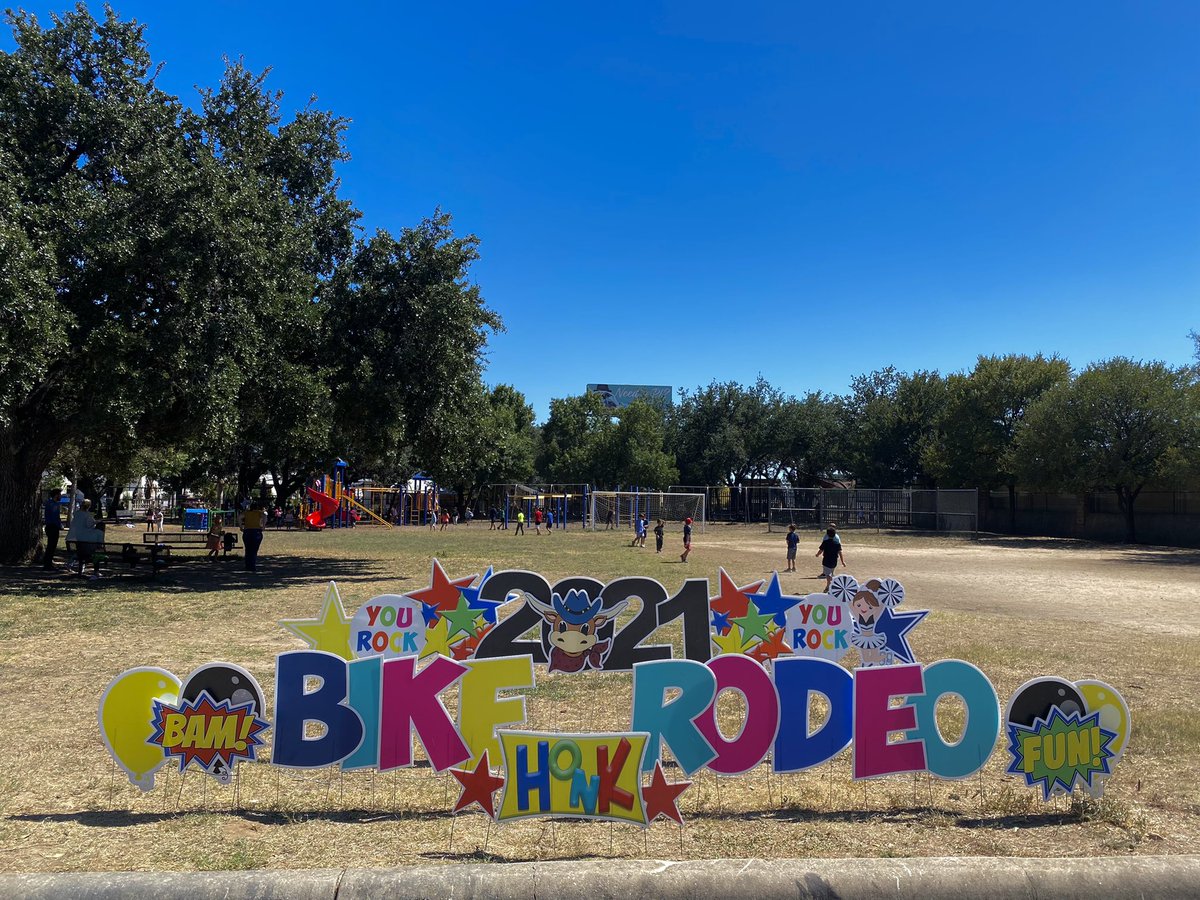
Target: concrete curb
(958,878)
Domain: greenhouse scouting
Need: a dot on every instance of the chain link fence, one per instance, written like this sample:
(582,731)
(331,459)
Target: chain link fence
(911,508)
(1170,518)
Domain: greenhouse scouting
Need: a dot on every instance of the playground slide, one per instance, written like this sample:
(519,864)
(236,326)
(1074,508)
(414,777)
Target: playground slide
(326,506)
(367,511)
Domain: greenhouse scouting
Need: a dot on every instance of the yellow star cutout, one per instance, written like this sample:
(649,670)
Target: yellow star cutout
(731,643)
(437,640)
(330,632)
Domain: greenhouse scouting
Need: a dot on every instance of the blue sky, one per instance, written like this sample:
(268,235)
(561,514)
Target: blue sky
(669,193)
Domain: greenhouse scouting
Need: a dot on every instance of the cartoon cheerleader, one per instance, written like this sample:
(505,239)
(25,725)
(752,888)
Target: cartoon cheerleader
(865,607)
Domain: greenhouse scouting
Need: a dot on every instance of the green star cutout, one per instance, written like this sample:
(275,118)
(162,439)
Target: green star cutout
(461,618)
(752,624)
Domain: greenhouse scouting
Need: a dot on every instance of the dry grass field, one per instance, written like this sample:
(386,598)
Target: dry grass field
(1015,608)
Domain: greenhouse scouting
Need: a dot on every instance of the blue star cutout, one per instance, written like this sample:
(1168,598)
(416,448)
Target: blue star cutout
(474,601)
(773,601)
(894,626)
(720,621)
(430,612)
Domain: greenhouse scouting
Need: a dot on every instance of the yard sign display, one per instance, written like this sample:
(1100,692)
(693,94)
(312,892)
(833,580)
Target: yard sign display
(374,684)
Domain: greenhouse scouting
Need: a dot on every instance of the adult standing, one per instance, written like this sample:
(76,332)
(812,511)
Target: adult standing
(252,534)
(520,523)
(84,534)
(52,522)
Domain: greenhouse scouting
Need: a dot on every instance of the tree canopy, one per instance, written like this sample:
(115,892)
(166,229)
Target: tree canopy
(1118,426)
(177,278)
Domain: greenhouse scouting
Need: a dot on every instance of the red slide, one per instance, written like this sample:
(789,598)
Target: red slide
(327,506)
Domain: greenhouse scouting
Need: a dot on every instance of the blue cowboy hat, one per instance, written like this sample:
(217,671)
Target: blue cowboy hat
(577,609)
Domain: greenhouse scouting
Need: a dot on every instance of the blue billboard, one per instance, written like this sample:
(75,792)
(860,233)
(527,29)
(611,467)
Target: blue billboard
(616,396)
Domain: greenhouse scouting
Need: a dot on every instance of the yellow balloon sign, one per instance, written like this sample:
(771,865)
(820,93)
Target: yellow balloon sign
(126,710)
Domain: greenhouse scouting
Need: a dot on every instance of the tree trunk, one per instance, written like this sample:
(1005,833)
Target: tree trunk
(20,478)
(1125,498)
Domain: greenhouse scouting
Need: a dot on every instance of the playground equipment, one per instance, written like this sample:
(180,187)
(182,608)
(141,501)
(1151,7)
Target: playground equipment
(195,519)
(333,503)
(415,502)
(326,506)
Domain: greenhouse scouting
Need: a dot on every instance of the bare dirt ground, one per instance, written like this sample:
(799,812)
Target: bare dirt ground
(1015,608)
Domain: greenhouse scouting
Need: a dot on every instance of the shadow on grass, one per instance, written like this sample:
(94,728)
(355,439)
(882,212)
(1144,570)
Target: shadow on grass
(196,573)
(898,815)
(126,818)
(1028,820)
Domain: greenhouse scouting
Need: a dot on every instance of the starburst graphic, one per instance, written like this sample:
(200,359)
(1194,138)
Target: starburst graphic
(207,733)
(1059,752)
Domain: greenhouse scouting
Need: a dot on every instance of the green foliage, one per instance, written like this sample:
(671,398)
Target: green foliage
(188,279)
(725,433)
(585,442)
(636,451)
(1119,425)
(808,436)
(575,440)
(404,330)
(983,411)
(488,439)
(890,421)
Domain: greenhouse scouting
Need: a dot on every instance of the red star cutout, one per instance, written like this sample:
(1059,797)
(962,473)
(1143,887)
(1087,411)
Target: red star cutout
(732,599)
(759,652)
(465,649)
(660,796)
(442,591)
(478,786)
(774,646)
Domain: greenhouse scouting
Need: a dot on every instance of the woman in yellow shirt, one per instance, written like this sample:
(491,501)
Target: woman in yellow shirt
(252,533)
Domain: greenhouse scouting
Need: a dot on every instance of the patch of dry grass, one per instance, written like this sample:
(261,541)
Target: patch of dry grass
(1014,608)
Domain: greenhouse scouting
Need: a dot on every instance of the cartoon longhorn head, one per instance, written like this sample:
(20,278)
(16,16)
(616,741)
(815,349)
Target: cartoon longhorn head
(575,619)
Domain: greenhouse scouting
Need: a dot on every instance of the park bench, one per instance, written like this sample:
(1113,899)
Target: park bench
(183,540)
(127,552)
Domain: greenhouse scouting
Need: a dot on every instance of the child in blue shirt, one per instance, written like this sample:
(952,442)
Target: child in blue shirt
(793,540)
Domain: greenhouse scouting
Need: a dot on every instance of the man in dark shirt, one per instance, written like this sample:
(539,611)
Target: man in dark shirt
(52,521)
(830,552)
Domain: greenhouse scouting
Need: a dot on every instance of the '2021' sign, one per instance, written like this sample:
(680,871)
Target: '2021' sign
(576,621)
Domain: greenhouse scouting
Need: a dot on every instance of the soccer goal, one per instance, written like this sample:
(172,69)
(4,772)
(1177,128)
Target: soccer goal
(620,509)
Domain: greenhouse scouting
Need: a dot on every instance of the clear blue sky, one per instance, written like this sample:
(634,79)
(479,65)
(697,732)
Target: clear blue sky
(669,193)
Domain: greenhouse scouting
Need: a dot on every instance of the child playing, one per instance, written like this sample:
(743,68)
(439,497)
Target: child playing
(792,540)
(639,536)
(687,539)
(830,552)
(215,529)
(658,536)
